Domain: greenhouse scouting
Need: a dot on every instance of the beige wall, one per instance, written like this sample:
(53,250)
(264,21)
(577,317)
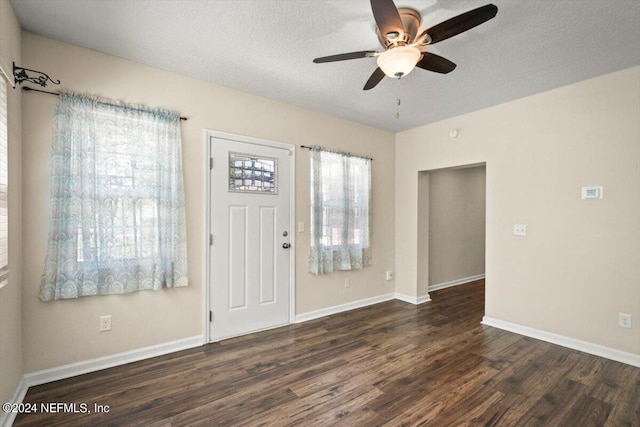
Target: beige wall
(11,362)
(579,265)
(63,332)
(456,224)
(423,236)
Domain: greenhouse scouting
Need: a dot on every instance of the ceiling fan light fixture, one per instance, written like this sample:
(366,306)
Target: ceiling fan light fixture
(399,61)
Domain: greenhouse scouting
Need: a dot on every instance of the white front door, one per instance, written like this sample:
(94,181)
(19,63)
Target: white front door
(250,258)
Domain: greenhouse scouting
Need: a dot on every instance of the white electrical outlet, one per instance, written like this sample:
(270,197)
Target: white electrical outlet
(347,283)
(624,320)
(519,229)
(389,275)
(105,323)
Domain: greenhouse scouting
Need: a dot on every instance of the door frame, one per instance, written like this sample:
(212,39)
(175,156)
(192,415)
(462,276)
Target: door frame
(208,135)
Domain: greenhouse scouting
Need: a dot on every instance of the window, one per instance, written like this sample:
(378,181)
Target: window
(340,210)
(4,218)
(117,214)
(251,174)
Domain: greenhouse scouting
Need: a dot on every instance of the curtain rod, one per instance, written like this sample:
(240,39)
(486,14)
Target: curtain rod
(30,89)
(335,151)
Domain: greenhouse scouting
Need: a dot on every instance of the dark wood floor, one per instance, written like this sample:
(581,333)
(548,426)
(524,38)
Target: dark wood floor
(388,364)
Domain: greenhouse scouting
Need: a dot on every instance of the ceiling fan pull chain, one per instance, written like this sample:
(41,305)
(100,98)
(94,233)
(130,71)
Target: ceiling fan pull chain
(398,100)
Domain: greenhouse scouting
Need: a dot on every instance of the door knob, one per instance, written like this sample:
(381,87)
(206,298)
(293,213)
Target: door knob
(286,245)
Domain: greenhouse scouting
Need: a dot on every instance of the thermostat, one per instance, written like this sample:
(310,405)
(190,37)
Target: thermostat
(591,192)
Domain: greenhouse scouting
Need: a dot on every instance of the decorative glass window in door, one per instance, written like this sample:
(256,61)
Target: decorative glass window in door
(251,174)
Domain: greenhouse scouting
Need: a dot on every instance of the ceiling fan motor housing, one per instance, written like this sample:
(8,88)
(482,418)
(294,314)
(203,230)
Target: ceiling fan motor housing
(410,21)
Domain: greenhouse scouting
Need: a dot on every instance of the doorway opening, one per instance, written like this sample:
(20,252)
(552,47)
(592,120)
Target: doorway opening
(451,227)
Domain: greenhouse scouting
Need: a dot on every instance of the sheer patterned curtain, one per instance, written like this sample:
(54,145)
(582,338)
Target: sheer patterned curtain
(340,208)
(117,215)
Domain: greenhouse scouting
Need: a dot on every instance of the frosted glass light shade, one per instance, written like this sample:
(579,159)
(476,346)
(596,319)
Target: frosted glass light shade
(399,61)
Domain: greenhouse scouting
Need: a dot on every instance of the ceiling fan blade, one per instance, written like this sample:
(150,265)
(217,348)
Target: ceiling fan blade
(375,78)
(387,17)
(460,24)
(345,56)
(436,63)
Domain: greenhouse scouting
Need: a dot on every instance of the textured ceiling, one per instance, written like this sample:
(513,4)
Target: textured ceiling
(267,47)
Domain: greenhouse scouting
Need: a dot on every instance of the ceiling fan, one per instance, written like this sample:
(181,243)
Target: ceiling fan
(397,31)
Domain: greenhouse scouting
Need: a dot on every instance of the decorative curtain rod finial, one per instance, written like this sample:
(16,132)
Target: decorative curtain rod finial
(21,74)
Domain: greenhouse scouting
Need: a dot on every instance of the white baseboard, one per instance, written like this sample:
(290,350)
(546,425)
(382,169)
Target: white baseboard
(305,317)
(92,365)
(412,300)
(456,282)
(7,418)
(584,346)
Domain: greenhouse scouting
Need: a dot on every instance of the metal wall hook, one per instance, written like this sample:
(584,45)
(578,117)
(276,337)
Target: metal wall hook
(21,74)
